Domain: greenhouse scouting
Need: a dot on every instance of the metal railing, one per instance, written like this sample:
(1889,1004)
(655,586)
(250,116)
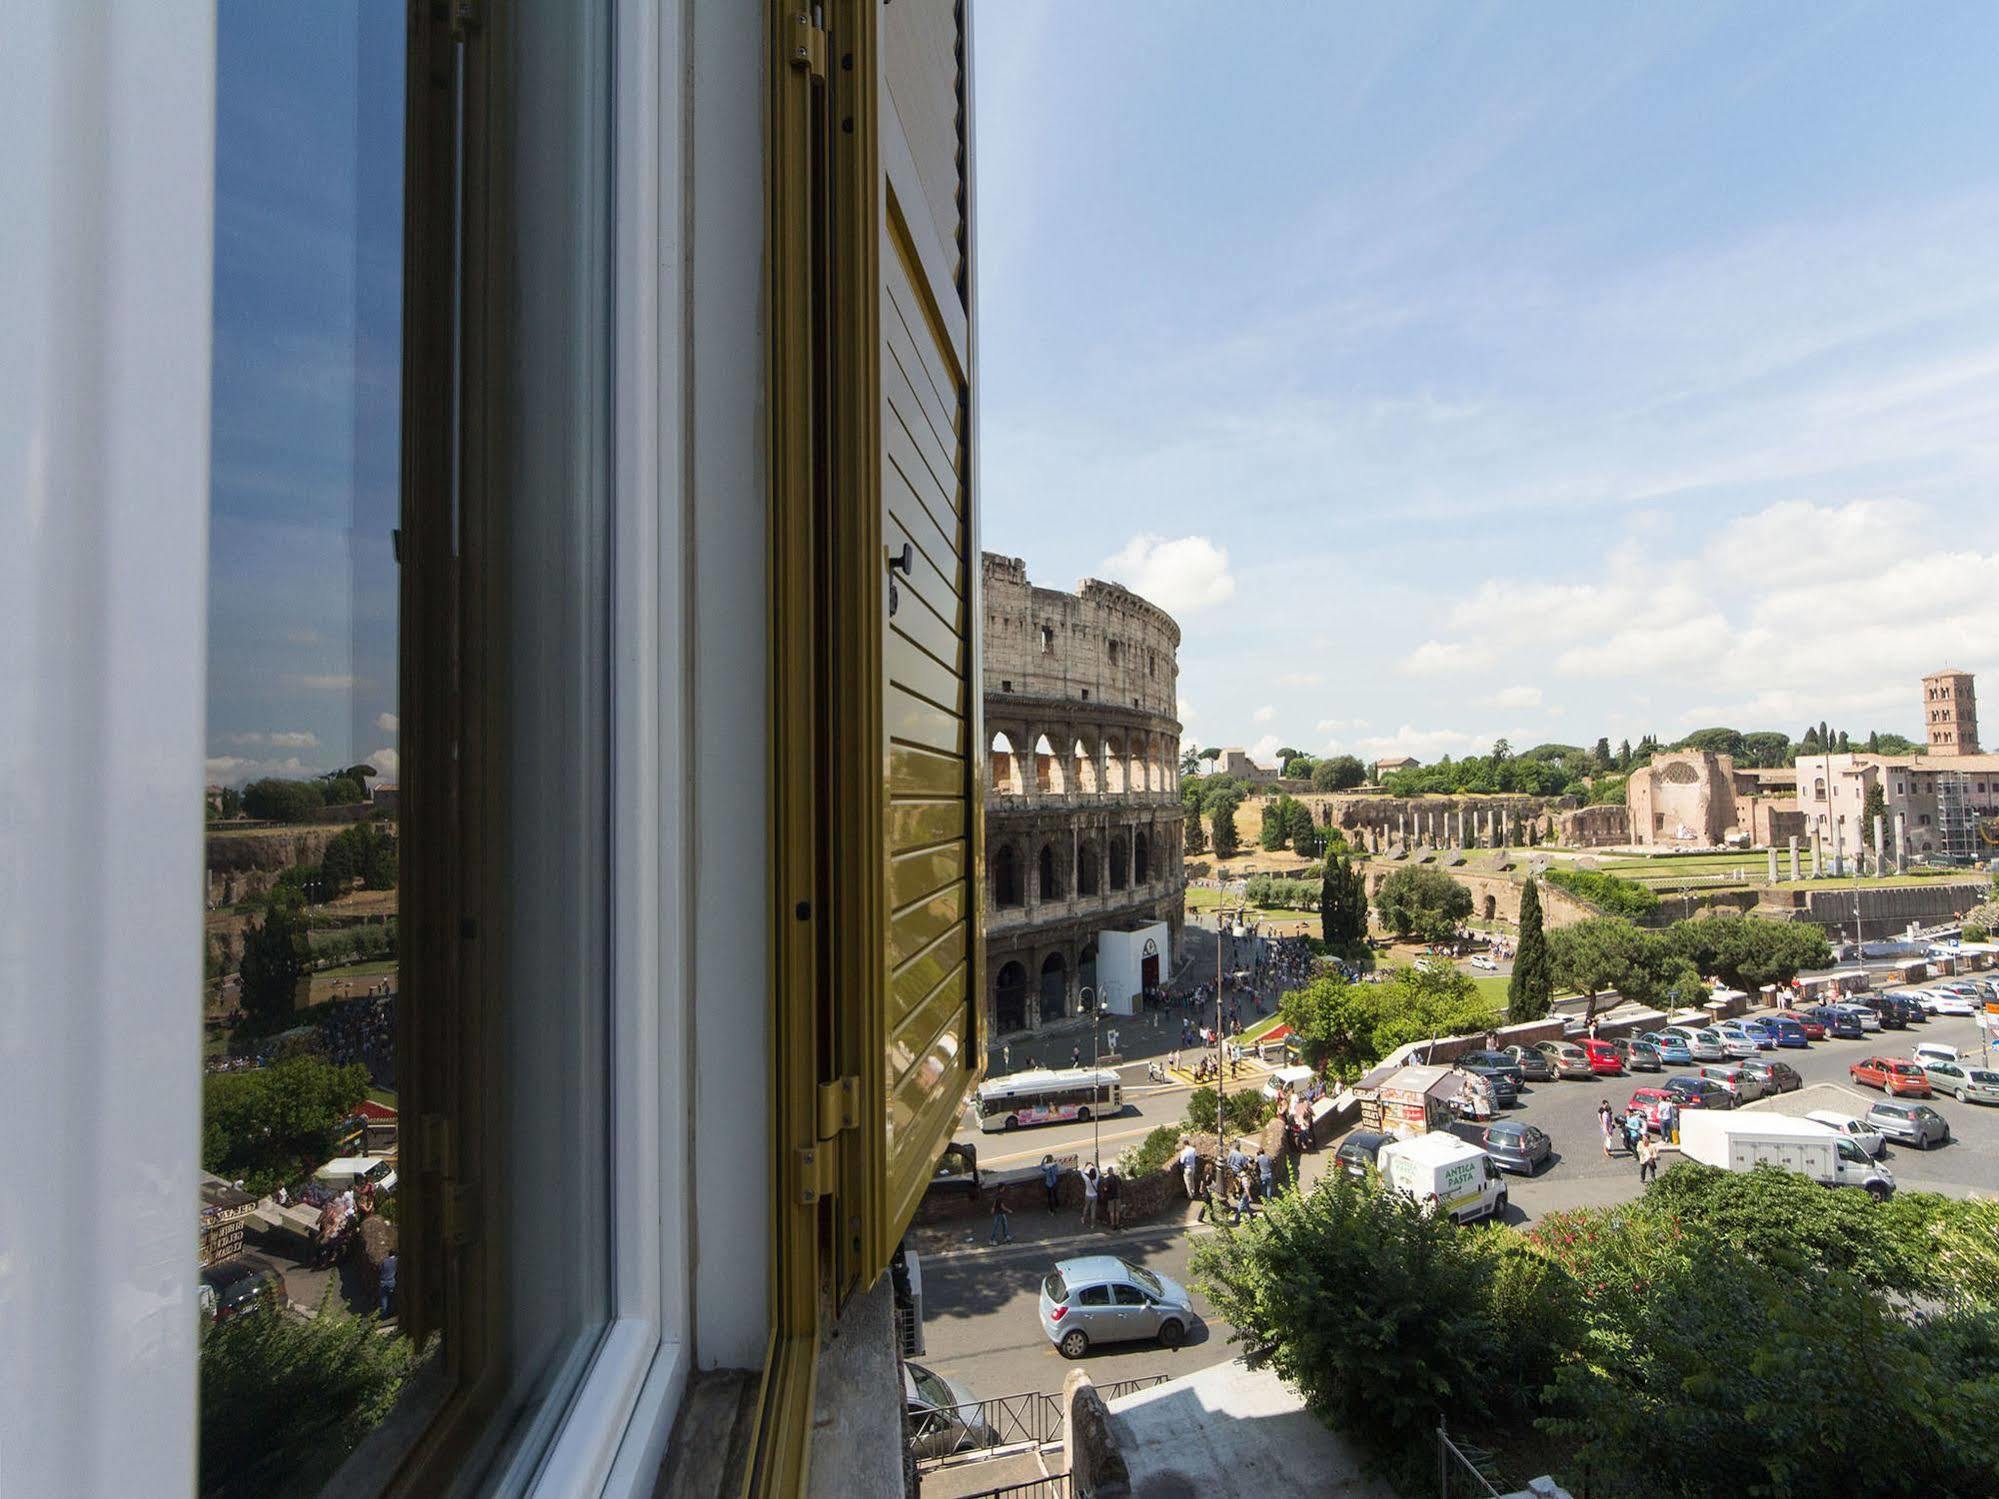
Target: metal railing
(1003,1422)
(1055,1486)
(1463,1472)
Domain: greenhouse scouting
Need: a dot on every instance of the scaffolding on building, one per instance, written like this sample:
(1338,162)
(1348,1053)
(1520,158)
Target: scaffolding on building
(1957,827)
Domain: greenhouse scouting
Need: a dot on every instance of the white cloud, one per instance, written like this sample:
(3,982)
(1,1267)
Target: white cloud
(1301,679)
(234,770)
(1264,714)
(387,763)
(1264,751)
(388,723)
(298,740)
(1341,725)
(1181,575)
(1438,657)
(1425,744)
(1513,697)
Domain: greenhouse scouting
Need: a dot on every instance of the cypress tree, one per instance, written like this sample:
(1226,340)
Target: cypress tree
(1530,993)
(1342,903)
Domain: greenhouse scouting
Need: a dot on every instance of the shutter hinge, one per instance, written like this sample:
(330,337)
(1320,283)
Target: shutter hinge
(467,17)
(818,1170)
(839,1106)
(461,1213)
(808,44)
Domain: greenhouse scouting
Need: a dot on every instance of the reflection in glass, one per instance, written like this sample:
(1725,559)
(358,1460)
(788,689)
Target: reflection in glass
(299,1148)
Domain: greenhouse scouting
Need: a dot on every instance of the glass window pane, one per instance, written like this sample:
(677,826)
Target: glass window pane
(300,1138)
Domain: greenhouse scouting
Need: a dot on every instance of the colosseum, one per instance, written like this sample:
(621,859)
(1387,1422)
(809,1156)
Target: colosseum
(1083,815)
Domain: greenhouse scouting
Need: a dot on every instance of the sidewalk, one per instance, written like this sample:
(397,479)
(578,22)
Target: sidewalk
(1035,1230)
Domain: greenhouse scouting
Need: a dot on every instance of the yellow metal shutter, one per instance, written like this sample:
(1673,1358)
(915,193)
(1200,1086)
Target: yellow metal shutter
(916,1047)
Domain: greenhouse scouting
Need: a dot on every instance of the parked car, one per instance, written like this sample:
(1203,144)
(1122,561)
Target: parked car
(1738,1080)
(1761,1032)
(1887,1017)
(941,1416)
(1520,1148)
(1707,1046)
(1859,1131)
(1671,1047)
(1567,1058)
(1358,1150)
(1603,1058)
(1814,1029)
(1496,1068)
(1898,1013)
(1736,1041)
(1692,1091)
(1533,1063)
(1891,1075)
(1838,1022)
(1778,1077)
(1948,1002)
(1926,1052)
(1965,1083)
(1648,1102)
(1914,1124)
(1099,1299)
(1637,1055)
(240,1286)
(1788,1032)
(1869,1018)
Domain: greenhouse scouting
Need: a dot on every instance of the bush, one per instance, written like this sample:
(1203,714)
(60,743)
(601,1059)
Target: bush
(285,1398)
(273,1124)
(1151,1154)
(283,801)
(1248,1110)
(1606,892)
(1976,933)
(1422,902)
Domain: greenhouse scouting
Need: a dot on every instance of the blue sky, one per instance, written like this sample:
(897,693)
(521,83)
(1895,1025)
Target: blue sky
(308,289)
(1454,371)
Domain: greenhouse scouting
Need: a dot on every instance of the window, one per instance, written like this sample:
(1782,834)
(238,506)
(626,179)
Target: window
(1086,694)
(1094,1296)
(1005,686)
(1047,640)
(1129,1296)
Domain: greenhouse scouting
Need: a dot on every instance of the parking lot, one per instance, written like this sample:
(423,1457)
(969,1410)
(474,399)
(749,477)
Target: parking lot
(1579,1175)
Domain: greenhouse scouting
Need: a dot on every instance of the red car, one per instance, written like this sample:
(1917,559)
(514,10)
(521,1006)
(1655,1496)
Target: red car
(1814,1029)
(1892,1075)
(1649,1101)
(1603,1058)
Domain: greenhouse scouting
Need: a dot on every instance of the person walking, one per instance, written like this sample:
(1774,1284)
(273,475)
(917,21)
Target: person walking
(1242,1205)
(1603,1124)
(1266,1173)
(1648,1159)
(1002,1233)
(1112,1189)
(1090,1195)
(1669,1122)
(387,1288)
(1634,1131)
(1075,1057)
(1051,1178)
(1190,1168)
(1006,1056)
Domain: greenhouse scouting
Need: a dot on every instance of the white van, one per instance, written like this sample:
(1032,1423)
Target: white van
(1297,1079)
(1444,1174)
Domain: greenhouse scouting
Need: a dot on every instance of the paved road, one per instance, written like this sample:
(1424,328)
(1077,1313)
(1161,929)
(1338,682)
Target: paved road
(981,1325)
(1581,1175)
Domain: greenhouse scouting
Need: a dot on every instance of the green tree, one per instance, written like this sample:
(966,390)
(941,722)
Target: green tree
(1190,761)
(1299,767)
(1600,756)
(1222,834)
(273,1124)
(1287,753)
(1300,830)
(1339,773)
(1530,992)
(1766,749)
(1719,741)
(1747,952)
(285,1398)
(1272,832)
(1594,955)
(1197,835)
(274,954)
(1608,893)
(1422,903)
(1211,755)
(276,800)
(343,791)
(1343,904)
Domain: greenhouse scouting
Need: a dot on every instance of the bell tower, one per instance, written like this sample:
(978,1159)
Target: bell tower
(1950,712)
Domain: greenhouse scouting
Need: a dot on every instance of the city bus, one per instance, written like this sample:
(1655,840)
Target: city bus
(1048,1096)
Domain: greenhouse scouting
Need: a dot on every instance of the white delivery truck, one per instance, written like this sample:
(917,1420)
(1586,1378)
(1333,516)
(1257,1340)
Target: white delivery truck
(1743,1141)
(1444,1174)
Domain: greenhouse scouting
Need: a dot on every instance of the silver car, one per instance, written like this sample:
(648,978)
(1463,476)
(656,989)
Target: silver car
(941,1416)
(1909,1123)
(1100,1299)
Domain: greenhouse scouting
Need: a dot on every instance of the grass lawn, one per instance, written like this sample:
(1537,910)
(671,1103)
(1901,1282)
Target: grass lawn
(372,969)
(384,1096)
(1492,986)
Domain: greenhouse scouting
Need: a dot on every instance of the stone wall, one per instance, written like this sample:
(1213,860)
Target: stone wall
(1602,826)
(1101,644)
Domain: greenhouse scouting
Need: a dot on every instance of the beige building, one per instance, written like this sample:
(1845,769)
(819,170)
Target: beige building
(1698,798)
(1933,807)
(1950,712)
(1083,814)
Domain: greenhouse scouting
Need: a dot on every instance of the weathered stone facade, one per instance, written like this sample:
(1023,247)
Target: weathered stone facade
(1083,815)
(1697,798)
(1950,712)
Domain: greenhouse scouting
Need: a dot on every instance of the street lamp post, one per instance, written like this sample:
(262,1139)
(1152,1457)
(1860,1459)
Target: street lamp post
(1089,999)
